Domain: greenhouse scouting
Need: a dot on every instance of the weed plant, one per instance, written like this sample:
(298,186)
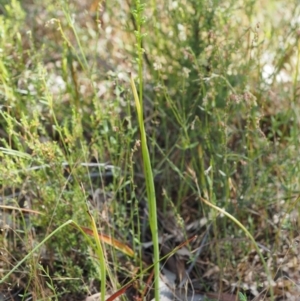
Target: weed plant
(218,85)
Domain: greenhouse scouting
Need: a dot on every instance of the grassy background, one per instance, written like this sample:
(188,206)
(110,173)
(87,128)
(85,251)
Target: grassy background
(221,109)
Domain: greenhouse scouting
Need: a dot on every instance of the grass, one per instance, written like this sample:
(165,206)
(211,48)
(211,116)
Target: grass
(214,117)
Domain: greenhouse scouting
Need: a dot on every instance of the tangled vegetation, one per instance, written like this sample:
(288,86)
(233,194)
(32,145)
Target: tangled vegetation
(146,141)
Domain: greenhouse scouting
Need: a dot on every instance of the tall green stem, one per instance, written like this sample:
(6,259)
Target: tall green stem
(140,20)
(150,190)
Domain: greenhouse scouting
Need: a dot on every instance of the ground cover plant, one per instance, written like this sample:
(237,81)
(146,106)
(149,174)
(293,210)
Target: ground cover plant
(149,145)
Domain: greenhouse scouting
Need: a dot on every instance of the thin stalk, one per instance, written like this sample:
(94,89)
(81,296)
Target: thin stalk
(99,251)
(150,189)
(140,20)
